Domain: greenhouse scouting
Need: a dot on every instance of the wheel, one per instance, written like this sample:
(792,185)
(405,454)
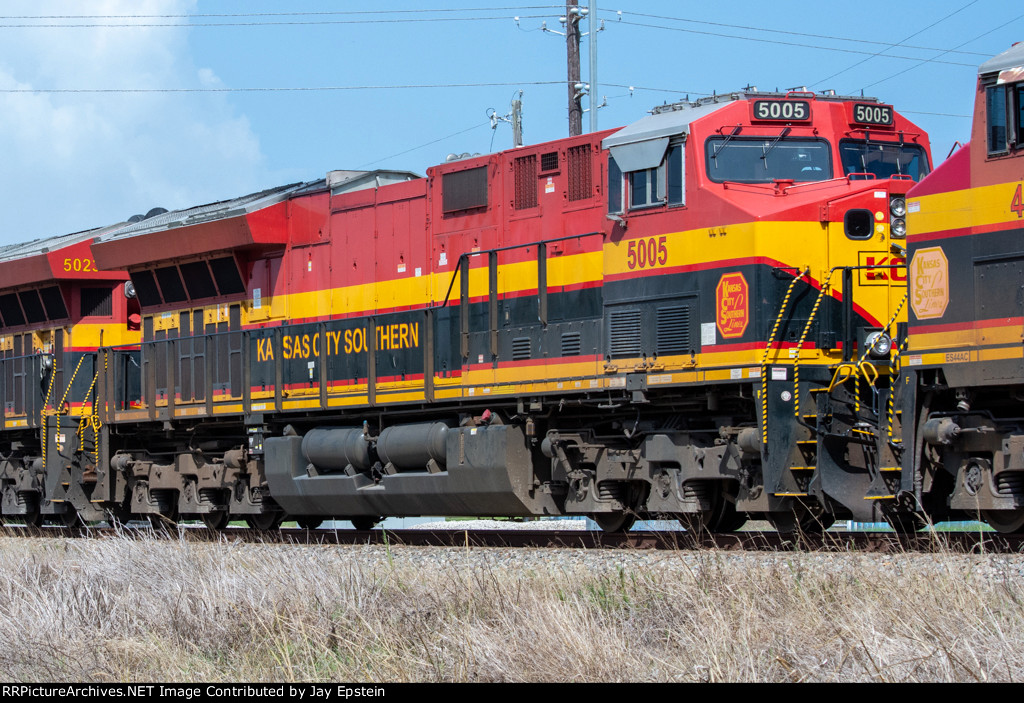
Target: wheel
(159,521)
(217,520)
(265,521)
(33,518)
(69,518)
(309,523)
(905,523)
(727,518)
(614,522)
(1004,521)
(364,522)
(801,519)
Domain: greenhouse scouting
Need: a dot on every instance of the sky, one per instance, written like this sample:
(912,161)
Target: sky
(109,108)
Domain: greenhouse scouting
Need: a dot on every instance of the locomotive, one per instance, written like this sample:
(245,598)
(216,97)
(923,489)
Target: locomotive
(694,316)
(963,375)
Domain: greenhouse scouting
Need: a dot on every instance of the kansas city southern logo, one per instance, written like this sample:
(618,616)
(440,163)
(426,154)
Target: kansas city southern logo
(732,304)
(929,283)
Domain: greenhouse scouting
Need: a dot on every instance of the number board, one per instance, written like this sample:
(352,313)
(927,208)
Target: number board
(782,110)
(872,113)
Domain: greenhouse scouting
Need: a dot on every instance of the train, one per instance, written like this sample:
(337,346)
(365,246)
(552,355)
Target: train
(701,316)
(963,373)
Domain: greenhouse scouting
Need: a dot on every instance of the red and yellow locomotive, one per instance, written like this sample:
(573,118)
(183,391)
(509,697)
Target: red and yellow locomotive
(964,367)
(667,319)
(57,309)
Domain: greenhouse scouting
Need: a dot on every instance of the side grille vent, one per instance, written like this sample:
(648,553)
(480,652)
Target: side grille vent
(624,332)
(520,348)
(580,182)
(526,182)
(549,161)
(571,345)
(673,330)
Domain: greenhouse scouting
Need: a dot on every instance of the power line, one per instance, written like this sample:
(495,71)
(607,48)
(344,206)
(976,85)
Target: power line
(421,146)
(933,114)
(282,14)
(921,63)
(783,43)
(149,25)
(408,86)
(938,21)
(795,34)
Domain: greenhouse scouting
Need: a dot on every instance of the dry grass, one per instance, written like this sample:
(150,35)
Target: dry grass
(126,610)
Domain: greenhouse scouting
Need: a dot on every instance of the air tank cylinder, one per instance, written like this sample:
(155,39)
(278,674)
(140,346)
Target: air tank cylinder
(337,449)
(414,447)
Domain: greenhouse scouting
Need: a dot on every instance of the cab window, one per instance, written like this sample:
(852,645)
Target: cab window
(661,185)
(767,159)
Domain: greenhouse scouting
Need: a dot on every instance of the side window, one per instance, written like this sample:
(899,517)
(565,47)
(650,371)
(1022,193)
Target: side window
(676,175)
(1020,114)
(647,187)
(664,183)
(995,109)
(614,186)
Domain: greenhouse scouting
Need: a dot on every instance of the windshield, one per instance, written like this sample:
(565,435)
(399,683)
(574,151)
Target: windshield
(883,160)
(767,159)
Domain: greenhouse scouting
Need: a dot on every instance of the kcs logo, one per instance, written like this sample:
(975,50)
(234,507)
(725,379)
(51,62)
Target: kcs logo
(880,269)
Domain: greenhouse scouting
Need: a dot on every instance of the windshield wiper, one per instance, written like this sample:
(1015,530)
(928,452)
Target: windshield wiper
(735,131)
(771,146)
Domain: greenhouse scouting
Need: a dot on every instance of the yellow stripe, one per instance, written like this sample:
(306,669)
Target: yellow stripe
(958,209)
(94,336)
(687,248)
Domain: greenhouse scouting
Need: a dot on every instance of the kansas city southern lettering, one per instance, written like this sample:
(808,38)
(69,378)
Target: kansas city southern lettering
(307,346)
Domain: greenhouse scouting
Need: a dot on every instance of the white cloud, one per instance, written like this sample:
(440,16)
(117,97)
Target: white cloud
(70,161)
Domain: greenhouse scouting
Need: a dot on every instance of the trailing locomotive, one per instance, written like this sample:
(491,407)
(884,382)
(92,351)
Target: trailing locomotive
(58,310)
(963,374)
(673,318)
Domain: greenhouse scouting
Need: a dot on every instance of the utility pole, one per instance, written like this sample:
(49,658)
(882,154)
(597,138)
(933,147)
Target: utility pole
(572,42)
(593,65)
(517,121)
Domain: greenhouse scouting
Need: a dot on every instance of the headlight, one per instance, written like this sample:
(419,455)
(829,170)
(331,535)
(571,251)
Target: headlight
(899,227)
(879,344)
(898,207)
(129,289)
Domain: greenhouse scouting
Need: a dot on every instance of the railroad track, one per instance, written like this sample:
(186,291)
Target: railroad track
(875,542)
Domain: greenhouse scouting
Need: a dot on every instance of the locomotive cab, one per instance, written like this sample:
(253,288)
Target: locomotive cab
(776,221)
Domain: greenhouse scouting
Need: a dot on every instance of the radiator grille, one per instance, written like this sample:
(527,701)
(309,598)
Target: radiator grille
(571,345)
(520,348)
(673,330)
(624,331)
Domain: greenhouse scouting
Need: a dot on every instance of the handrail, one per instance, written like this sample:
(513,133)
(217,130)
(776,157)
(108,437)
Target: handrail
(467,254)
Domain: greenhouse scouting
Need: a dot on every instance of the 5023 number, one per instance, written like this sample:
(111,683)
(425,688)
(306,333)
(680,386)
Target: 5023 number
(79,265)
(644,253)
